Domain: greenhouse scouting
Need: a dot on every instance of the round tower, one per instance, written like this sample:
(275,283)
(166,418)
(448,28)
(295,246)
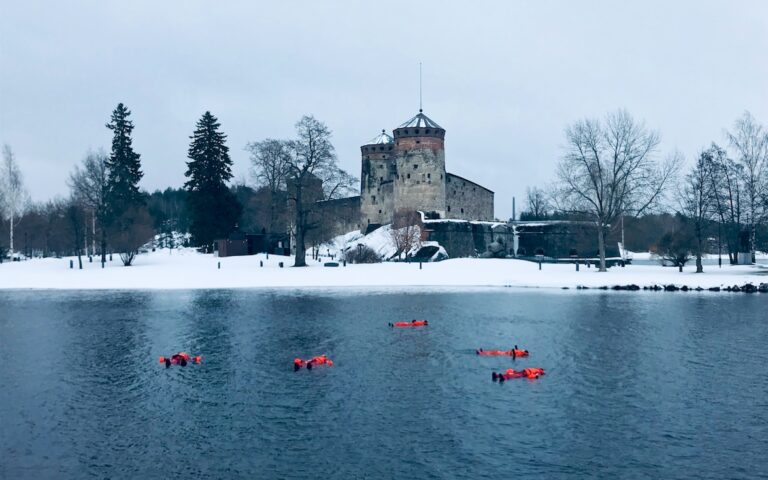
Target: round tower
(420,165)
(376,181)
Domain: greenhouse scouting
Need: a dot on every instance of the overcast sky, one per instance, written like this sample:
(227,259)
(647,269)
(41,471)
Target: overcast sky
(503,78)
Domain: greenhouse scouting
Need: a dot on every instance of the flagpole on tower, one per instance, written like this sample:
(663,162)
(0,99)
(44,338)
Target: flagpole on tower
(420,104)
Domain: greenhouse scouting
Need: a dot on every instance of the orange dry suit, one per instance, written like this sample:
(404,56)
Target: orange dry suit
(412,323)
(176,359)
(530,373)
(512,353)
(319,360)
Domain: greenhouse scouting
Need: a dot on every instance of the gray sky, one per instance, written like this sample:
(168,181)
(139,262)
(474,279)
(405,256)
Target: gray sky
(503,78)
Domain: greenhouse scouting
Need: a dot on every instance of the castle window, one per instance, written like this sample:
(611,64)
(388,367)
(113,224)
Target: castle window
(417,131)
(418,141)
(462,210)
(415,166)
(379,211)
(409,175)
(449,208)
(390,148)
(473,189)
(373,198)
(449,179)
(406,132)
(429,175)
(381,148)
(381,179)
(441,177)
(427,131)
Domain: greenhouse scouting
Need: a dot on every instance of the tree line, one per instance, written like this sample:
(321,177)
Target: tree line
(106,210)
(610,171)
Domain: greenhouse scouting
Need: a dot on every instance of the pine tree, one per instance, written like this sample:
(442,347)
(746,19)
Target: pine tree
(214,209)
(127,217)
(124,165)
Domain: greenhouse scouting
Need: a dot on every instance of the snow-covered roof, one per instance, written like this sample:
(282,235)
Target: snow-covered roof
(382,138)
(419,121)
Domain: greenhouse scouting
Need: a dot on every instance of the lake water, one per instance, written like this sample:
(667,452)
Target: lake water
(638,385)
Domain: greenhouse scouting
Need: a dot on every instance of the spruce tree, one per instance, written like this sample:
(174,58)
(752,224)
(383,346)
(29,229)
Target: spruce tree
(127,219)
(214,209)
(123,165)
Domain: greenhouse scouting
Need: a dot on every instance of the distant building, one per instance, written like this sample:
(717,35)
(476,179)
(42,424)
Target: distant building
(239,243)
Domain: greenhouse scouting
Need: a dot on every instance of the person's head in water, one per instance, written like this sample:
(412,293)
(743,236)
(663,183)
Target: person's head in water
(426,322)
(183,362)
(167,362)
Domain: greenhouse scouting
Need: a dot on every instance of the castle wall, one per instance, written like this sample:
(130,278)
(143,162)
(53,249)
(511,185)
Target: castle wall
(469,239)
(466,200)
(376,185)
(420,178)
(335,217)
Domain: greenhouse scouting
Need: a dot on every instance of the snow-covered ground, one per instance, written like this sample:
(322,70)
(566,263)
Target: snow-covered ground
(379,240)
(187,269)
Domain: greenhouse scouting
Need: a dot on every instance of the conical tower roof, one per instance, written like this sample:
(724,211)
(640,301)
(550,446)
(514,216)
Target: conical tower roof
(420,121)
(381,139)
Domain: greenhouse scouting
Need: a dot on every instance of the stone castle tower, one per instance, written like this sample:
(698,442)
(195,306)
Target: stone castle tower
(407,172)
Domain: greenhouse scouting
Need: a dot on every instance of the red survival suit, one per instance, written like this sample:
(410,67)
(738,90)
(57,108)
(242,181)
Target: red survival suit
(319,360)
(412,323)
(181,358)
(530,373)
(515,352)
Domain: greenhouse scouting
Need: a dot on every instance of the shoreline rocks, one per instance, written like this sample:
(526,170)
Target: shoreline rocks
(746,288)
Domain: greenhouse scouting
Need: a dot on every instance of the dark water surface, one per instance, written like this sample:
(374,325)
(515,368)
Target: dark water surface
(638,385)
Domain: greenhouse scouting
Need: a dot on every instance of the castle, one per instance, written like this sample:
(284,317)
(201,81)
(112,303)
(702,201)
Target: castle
(407,172)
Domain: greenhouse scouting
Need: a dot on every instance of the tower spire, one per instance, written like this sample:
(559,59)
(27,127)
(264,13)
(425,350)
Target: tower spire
(420,104)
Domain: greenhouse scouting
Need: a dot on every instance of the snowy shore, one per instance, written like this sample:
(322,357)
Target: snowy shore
(186,269)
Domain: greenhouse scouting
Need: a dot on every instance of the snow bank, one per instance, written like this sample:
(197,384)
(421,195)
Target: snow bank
(187,269)
(380,241)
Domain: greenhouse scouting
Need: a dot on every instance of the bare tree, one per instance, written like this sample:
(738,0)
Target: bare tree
(89,186)
(537,204)
(132,230)
(14,198)
(608,171)
(725,188)
(76,215)
(337,183)
(696,202)
(313,175)
(750,142)
(405,231)
(270,166)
